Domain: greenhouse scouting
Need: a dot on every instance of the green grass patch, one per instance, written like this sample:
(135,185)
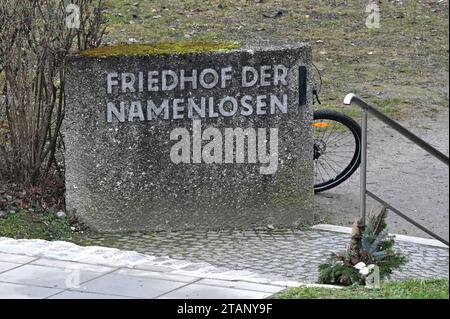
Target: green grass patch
(406,289)
(181,47)
(37,224)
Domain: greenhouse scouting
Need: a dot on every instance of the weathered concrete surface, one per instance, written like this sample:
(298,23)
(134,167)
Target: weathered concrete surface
(119,176)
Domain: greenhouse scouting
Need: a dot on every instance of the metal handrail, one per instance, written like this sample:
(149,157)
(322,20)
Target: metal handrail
(351,97)
(367,108)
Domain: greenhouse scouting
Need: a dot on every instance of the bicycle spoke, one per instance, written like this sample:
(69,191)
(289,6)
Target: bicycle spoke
(340,138)
(339,151)
(337,155)
(346,136)
(331,132)
(332,168)
(324,131)
(318,170)
(336,163)
(325,171)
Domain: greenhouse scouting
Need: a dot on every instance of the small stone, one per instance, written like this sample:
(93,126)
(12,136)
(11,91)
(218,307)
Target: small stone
(61,214)
(2,213)
(271,227)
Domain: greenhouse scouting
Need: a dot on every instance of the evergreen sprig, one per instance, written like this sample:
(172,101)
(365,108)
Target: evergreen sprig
(374,246)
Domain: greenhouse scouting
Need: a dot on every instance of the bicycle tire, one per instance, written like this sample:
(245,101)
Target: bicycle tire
(320,148)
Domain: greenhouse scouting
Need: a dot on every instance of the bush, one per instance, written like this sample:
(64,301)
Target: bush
(34,44)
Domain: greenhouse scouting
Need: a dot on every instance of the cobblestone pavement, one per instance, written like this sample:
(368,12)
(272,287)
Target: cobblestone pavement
(289,254)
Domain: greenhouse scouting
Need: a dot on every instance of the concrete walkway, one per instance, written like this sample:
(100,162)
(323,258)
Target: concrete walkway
(212,265)
(57,270)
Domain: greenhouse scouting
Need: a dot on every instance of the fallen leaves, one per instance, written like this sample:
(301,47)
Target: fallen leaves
(14,197)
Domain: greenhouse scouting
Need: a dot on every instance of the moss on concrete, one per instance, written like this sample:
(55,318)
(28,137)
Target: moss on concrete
(150,49)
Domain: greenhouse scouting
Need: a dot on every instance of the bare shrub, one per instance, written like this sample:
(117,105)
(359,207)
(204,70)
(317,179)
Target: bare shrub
(34,43)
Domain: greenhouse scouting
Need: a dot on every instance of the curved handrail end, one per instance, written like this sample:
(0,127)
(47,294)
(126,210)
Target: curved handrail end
(348,98)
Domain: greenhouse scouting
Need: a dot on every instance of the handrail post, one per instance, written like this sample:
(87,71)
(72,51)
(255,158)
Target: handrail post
(363,168)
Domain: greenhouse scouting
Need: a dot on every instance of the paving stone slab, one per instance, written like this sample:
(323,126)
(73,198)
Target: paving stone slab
(13,258)
(5,266)
(71,265)
(157,275)
(17,291)
(240,285)
(130,286)
(195,291)
(47,276)
(69,294)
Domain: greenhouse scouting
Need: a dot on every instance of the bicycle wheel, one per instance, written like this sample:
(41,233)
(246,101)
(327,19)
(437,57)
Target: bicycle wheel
(337,146)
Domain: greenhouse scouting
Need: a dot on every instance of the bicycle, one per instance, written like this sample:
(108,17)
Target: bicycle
(336,148)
